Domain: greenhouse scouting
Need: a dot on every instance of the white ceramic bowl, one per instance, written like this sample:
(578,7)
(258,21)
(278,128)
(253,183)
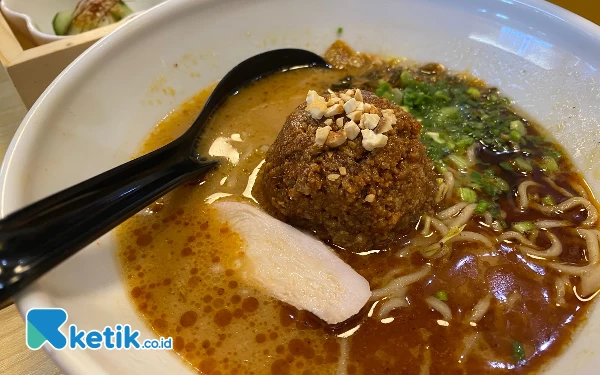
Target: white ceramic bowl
(94,116)
(34,17)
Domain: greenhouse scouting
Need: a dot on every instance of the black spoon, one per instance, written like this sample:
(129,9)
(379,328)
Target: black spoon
(38,237)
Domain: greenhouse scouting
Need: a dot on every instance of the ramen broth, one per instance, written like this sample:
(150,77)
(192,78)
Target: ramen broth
(508,313)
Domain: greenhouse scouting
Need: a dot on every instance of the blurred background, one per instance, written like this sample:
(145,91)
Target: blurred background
(589,9)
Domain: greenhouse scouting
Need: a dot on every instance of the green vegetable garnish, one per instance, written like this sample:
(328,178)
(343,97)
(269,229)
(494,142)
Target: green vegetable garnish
(518,126)
(482,206)
(473,92)
(548,165)
(514,136)
(518,351)
(435,137)
(523,226)
(441,295)
(488,183)
(383,88)
(548,201)
(405,77)
(506,165)
(458,117)
(340,30)
(523,165)
(459,162)
(467,195)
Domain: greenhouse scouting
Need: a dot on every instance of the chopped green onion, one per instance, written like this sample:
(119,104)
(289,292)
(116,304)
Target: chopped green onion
(340,30)
(523,165)
(518,126)
(473,92)
(523,226)
(441,95)
(459,161)
(441,295)
(397,96)
(548,201)
(467,195)
(383,88)
(506,165)
(518,351)
(405,77)
(440,167)
(449,111)
(435,136)
(553,153)
(465,142)
(548,164)
(514,135)
(482,206)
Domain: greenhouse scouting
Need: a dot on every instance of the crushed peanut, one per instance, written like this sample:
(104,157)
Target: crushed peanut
(364,118)
(369,121)
(371,140)
(333,101)
(335,109)
(333,176)
(342,171)
(389,119)
(355,116)
(352,130)
(321,135)
(313,96)
(336,139)
(317,109)
(345,97)
(350,105)
(358,95)
(370,198)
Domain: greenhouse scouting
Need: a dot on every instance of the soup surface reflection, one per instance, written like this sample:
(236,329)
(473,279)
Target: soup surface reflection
(510,309)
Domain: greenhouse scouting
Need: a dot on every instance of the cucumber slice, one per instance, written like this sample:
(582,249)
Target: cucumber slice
(120,11)
(61,22)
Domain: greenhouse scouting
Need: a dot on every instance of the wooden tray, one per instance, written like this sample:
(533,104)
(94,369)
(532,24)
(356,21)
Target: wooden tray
(32,68)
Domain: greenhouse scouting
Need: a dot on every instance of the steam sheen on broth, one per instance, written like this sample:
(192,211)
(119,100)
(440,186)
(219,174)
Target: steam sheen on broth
(492,282)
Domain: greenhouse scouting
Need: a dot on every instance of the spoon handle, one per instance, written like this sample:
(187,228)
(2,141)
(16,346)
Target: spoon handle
(38,237)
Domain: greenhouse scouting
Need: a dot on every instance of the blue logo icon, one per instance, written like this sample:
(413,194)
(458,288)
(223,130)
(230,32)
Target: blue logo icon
(43,325)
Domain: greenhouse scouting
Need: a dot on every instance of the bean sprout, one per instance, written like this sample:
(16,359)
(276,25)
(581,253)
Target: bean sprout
(439,306)
(451,211)
(480,309)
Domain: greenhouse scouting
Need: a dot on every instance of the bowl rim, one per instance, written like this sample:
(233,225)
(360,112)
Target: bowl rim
(33,297)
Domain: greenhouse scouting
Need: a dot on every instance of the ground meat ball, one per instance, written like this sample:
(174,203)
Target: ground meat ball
(293,186)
